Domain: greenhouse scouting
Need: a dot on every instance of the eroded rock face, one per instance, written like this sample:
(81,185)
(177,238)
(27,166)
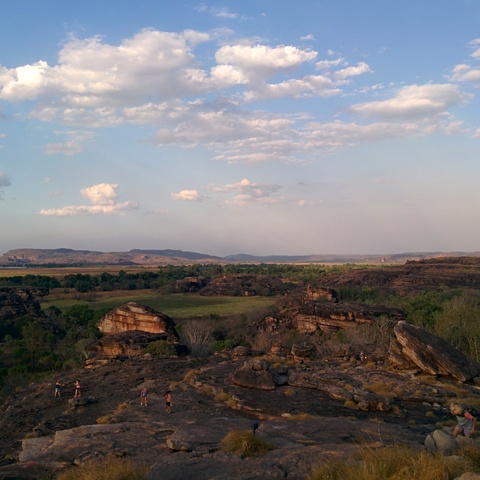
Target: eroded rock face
(133,316)
(21,301)
(130,344)
(311,317)
(434,355)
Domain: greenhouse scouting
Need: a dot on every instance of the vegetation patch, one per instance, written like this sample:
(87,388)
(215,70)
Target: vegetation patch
(395,463)
(246,443)
(160,348)
(118,469)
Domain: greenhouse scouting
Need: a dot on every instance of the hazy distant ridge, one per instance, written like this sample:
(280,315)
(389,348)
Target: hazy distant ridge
(65,256)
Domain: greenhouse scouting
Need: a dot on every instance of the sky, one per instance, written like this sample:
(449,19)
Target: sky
(250,126)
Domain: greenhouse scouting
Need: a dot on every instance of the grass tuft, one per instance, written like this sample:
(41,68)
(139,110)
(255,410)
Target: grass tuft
(395,463)
(118,469)
(245,442)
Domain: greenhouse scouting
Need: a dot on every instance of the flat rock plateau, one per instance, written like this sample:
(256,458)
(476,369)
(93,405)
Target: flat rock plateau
(305,423)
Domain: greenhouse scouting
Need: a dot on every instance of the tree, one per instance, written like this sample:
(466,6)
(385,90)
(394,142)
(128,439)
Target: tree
(459,324)
(33,336)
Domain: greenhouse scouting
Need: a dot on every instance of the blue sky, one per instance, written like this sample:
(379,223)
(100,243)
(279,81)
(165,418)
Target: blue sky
(249,126)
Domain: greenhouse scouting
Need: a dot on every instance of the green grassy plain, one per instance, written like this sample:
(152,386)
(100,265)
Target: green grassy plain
(178,305)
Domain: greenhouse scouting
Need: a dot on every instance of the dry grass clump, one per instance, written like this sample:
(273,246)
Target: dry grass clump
(245,442)
(115,468)
(393,463)
(289,392)
(385,389)
(350,404)
(121,407)
(104,420)
(190,374)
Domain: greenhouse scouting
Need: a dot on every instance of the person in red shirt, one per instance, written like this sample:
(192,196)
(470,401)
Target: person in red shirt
(465,421)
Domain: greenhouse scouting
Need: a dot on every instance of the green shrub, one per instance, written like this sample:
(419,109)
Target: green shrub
(245,442)
(160,348)
(115,468)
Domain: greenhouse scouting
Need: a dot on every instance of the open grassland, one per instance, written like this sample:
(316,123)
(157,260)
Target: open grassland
(61,272)
(178,305)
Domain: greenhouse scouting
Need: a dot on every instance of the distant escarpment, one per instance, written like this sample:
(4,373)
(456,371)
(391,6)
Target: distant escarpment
(22,257)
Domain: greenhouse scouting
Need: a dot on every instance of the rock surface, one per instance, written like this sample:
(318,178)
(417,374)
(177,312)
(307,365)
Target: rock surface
(16,302)
(433,354)
(324,409)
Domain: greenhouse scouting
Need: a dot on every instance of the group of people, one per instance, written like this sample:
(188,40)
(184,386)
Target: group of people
(143,394)
(167,396)
(59,385)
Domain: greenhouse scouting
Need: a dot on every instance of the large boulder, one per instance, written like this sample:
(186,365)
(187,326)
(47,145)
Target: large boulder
(133,316)
(441,442)
(254,374)
(434,355)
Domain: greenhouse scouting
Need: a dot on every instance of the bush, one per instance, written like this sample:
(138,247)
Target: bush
(245,442)
(160,348)
(198,335)
(115,468)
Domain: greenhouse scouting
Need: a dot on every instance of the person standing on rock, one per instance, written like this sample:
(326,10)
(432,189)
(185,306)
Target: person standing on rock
(168,401)
(143,396)
(78,391)
(58,387)
(465,420)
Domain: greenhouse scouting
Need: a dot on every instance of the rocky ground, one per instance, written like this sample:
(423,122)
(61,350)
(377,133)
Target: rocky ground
(323,409)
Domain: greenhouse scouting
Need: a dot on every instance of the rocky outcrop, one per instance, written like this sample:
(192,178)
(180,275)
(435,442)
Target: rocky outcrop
(413,276)
(16,302)
(330,317)
(133,316)
(245,285)
(132,343)
(432,354)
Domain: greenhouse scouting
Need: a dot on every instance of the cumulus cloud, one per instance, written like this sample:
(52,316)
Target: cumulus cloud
(188,195)
(73,145)
(415,101)
(259,62)
(103,198)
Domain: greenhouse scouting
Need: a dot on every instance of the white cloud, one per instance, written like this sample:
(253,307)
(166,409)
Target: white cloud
(328,64)
(73,145)
(313,85)
(188,195)
(102,196)
(476,44)
(415,101)
(259,62)
(248,192)
(91,73)
(466,73)
(347,72)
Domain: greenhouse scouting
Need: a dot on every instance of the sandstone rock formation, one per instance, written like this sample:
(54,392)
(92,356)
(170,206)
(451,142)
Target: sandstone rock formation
(328,316)
(133,316)
(432,354)
(16,302)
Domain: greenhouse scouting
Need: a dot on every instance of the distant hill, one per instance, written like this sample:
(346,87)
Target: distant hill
(24,257)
